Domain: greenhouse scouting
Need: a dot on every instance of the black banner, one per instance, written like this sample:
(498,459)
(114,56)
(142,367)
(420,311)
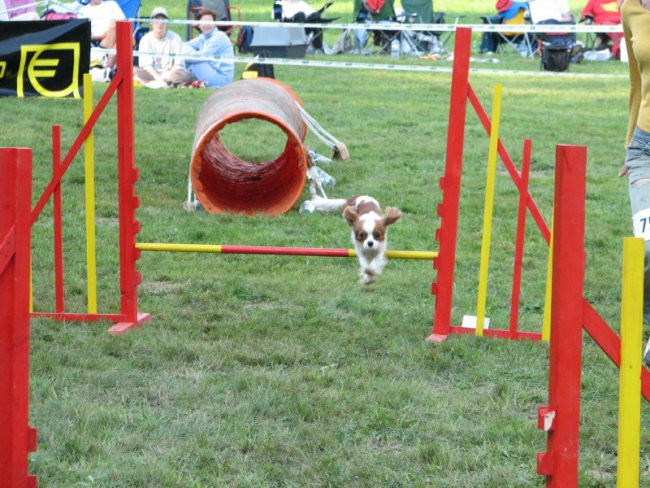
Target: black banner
(44,57)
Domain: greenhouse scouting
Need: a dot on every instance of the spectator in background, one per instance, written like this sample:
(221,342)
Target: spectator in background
(368,12)
(604,12)
(506,10)
(102,15)
(302,12)
(159,65)
(550,11)
(555,12)
(211,43)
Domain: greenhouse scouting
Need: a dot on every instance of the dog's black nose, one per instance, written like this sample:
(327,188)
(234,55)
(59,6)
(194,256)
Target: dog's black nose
(370,243)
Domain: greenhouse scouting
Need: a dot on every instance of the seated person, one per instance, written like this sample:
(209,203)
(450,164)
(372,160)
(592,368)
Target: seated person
(604,12)
(158,67)
(554,12)
(302,12)
(550,11)
(366,12)
(102,15)
(210,43)
(506,10)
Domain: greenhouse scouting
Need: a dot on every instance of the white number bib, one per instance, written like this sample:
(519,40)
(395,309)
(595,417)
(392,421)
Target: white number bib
(641,221)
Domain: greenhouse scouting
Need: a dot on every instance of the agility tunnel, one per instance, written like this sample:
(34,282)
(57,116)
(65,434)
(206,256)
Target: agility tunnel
(222,181)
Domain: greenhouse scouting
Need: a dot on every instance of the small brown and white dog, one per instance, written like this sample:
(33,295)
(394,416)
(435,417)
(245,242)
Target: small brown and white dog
(369,230)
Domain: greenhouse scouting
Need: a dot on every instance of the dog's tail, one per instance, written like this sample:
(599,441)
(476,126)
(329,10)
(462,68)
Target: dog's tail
(327,204)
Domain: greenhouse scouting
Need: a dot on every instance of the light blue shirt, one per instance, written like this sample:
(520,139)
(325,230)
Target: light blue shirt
(215,44)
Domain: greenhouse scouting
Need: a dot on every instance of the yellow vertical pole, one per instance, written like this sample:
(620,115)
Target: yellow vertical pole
(629,390)
(487,212)
(89,157)
(546,324)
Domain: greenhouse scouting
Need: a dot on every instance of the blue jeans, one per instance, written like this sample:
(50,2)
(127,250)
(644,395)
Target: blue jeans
(637,161)
(361,34)
(213,73)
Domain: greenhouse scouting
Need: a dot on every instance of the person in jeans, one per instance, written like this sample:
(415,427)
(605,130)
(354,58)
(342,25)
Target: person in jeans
(636,27)
(209,56)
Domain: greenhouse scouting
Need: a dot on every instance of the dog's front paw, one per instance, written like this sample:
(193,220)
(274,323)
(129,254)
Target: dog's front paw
(367,276)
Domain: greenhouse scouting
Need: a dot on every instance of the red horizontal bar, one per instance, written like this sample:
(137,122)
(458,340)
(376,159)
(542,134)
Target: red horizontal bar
(500,333)
(80,317)
(286,251)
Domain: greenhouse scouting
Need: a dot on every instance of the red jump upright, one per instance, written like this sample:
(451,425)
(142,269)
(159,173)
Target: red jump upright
(561,418)
(448,210)
(17,438)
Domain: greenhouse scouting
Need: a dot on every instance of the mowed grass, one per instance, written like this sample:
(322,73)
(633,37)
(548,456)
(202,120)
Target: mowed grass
(280,372)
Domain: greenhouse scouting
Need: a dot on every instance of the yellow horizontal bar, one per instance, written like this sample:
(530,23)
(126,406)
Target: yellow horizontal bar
(410,254)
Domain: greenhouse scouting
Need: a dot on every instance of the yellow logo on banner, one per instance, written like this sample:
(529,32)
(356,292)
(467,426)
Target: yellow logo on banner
(3,67)
(610,7)
(38,68)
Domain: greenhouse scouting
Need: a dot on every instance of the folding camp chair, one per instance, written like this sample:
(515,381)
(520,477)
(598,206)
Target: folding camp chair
(420,42)
(519,41)
(422,12)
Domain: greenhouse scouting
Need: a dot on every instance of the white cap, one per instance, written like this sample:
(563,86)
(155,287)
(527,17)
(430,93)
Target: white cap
(159,11)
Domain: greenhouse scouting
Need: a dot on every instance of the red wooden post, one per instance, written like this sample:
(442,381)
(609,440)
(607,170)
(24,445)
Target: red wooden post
(58,222)
(447,233)
(519,239)
(129,227)
(17,438)
(561,418)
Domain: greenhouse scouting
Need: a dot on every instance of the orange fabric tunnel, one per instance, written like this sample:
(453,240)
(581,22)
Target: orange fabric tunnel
(223,182)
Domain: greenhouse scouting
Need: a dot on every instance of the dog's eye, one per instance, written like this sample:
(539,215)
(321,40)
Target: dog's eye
(362,236)
(376,235)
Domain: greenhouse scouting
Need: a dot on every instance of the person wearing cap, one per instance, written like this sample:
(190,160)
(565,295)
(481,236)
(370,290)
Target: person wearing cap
(102,15)
(210,55)
(506,10)
(159,62)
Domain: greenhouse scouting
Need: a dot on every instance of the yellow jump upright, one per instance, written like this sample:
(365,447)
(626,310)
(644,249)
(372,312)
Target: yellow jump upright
(488,210)
(629,390)
(89,170)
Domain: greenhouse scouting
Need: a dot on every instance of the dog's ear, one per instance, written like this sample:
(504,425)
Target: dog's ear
(350,214)
(392,215)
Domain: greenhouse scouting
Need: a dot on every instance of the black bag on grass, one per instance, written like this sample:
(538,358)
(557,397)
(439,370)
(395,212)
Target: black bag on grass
(555,57)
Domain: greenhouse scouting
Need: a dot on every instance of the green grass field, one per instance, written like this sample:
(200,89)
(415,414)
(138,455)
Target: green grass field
(284,372)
